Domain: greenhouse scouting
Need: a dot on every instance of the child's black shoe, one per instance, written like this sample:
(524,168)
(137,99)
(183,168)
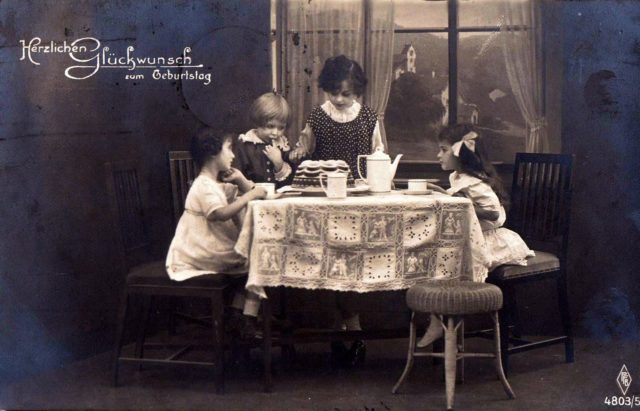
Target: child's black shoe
(357,353)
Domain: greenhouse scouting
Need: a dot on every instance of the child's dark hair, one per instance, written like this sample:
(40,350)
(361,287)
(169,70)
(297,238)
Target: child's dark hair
(338,69)
(476,162)
(267,107)
(207,143)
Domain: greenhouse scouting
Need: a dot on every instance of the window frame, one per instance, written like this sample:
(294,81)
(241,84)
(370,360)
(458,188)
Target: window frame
(279,32)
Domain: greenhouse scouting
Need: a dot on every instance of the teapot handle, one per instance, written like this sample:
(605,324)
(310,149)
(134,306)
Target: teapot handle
(359,169)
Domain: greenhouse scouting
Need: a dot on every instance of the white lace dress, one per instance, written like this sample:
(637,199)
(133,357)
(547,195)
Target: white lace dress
(201,246)
(503,245)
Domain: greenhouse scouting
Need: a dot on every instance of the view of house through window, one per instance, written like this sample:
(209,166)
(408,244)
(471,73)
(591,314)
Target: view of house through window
(418,104)
(425,58)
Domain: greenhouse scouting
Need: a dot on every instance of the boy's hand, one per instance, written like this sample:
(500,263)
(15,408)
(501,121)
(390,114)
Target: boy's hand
(274,154)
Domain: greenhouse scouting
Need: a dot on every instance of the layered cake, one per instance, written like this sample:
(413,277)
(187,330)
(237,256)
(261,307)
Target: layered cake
(309,171)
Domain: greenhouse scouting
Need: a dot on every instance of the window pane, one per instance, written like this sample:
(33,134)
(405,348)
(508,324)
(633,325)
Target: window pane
(420,13)
(474,13)
(485,96)
(416,108)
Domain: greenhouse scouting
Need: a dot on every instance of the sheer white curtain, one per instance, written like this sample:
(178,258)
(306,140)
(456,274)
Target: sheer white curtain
(379,60)
(525,64)
(319,29)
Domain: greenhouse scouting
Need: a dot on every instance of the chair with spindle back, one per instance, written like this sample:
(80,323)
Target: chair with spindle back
(539,212)
(150,280)
(183,171)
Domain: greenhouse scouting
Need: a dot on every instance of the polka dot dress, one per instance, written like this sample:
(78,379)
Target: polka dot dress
(343,141)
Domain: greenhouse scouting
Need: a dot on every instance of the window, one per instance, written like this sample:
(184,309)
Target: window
(442,48)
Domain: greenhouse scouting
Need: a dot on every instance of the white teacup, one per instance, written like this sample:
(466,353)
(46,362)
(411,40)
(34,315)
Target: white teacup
(270,188)
(336,184)
(417,184)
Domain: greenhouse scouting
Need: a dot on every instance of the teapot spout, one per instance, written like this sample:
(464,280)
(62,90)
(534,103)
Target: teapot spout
(394,166)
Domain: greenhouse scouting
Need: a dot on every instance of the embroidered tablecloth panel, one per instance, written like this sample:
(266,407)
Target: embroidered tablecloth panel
(359,246)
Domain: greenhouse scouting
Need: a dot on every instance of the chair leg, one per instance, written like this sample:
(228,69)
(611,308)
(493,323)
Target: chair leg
(504,319)
(172,307)
(142,328)
(460,342)
(119,337)
(450,360)
(217,322)
(267,344)
(511,306)
(410,358)
(498,359)
(288,349)
(565,315)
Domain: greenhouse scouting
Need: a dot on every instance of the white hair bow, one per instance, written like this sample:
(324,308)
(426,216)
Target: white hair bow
(468,140)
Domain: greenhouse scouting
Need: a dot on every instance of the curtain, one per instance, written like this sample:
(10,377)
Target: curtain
(319,29)
(524,61)
(379,60)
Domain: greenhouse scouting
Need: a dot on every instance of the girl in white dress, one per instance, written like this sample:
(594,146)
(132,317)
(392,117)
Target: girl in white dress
(209,227)
(473,176)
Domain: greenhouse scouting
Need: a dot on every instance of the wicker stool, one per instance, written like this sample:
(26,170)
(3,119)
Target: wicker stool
(450,301)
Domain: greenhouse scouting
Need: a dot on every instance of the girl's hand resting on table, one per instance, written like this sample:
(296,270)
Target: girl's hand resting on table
(258,193)
(437,188)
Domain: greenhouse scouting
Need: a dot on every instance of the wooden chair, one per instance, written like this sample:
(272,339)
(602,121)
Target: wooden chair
(147,281)
(539,212)
(183,171)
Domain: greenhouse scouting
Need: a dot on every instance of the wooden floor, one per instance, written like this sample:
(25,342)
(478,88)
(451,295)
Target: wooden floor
(540,379)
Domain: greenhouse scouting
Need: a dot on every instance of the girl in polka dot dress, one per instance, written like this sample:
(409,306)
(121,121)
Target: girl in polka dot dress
(341,129)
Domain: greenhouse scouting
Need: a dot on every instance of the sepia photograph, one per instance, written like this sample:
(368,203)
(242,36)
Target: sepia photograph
(319,204)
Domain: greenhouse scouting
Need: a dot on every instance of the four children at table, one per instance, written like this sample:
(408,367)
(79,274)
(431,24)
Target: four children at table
(340,128)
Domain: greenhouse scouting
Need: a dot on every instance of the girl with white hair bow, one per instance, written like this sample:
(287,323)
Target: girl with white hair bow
(473,176)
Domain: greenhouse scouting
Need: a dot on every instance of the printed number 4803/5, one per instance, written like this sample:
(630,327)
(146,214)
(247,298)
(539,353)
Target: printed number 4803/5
(628,401)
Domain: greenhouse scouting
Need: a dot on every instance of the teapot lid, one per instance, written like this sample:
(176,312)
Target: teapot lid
(379,154)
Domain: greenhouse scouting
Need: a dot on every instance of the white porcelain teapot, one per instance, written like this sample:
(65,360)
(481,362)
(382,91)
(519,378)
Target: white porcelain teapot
(380,170)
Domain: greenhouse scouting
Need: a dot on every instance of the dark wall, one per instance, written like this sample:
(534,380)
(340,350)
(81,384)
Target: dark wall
(58,276)
(601,126)
(58,267)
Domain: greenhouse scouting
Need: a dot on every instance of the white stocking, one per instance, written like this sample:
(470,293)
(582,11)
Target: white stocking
(434,331)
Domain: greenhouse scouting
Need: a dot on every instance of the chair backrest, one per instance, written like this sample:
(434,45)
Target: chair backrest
(541,200)
(127,209)
(183,171)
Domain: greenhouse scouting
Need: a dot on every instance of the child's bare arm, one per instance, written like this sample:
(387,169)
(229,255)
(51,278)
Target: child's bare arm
(251,192)
(228,211)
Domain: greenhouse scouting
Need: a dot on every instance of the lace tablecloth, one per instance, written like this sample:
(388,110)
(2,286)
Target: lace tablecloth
(363,243)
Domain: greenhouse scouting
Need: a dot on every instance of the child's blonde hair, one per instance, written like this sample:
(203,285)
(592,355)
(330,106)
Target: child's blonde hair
(267,107)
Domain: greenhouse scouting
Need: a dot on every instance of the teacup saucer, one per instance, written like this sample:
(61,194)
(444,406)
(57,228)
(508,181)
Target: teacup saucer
(417,192)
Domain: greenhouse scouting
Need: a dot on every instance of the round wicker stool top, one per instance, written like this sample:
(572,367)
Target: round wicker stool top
(454,297)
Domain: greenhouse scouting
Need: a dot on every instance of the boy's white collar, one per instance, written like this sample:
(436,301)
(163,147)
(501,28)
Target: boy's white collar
(251,137)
